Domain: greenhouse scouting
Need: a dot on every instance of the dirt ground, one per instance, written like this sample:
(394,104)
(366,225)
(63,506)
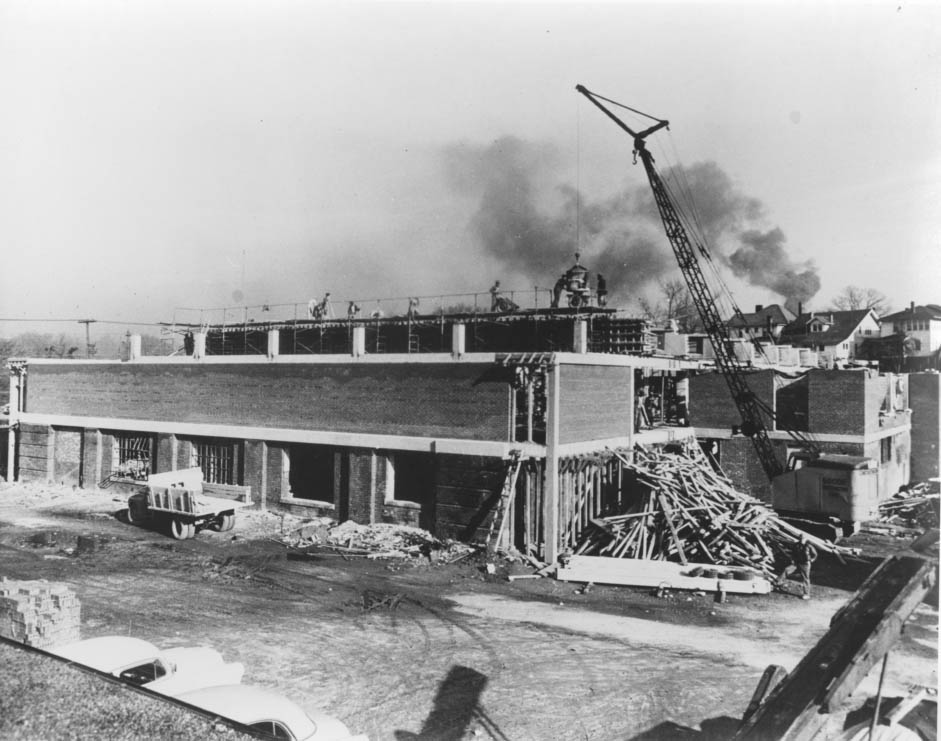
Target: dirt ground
(464,654)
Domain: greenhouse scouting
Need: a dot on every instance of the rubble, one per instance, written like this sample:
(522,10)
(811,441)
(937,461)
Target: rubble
(685,511)
(916,508)
(381,540)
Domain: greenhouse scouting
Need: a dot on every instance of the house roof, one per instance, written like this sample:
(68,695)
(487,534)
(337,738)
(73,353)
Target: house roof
(759,319)
(842,325)
(929,311)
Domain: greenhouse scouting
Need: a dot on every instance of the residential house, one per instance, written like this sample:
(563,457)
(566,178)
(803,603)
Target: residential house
(836,336)
(764,323)
(915,334)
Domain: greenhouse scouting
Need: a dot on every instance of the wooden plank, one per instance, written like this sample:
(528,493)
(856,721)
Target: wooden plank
(665,505)
(649,573)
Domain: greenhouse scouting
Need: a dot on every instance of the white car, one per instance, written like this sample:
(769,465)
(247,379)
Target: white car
(269,713)
(169,672)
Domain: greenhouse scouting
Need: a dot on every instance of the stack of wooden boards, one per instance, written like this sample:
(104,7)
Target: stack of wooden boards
(683,510)
(38,613)
(917,507)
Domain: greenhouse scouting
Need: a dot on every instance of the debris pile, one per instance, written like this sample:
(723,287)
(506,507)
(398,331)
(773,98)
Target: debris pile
(381,540)
(38,613)
(916,508)
(231,567)
(684,511)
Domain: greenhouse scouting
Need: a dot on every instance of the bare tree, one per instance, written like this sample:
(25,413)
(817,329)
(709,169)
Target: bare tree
(854,298)
(674,302)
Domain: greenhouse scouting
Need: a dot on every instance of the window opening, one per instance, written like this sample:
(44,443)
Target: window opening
(312,473)
(217,459)
(133,455)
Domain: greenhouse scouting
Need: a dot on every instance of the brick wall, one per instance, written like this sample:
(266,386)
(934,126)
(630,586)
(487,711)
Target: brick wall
(165,460)
(837,402)
(456,400)
(90,454)
(67,466)
(595,402)
(256,474)
(740,463)
(710,402)
(34,452)
(363,497)
(468,489)
(925,400)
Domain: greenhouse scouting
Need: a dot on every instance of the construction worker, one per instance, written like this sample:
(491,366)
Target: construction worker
(557,291)
(495,296)
(802,555)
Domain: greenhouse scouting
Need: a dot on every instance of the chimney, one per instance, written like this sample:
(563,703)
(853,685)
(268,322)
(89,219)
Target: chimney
(800,308)
(913,307)
(758,308)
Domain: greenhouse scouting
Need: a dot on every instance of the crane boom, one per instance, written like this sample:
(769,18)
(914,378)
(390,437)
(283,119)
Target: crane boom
(731,368)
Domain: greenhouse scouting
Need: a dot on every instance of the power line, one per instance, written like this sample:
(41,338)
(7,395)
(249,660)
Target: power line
(80,321)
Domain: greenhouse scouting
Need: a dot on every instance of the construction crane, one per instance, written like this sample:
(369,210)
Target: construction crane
(840,488)
(731,368)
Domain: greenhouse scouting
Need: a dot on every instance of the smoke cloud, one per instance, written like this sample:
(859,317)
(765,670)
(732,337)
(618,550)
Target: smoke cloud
(531,222)
(763,261)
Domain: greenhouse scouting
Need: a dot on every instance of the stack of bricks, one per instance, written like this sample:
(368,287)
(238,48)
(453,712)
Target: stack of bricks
(38,613)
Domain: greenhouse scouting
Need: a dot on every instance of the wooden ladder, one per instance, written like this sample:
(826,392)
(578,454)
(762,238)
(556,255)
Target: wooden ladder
(498,523)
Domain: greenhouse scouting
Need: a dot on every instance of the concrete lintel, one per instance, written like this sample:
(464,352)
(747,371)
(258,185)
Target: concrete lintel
(486,448)
(723,433)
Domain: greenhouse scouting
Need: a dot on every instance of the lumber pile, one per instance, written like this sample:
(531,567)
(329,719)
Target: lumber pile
(38,613)
(683,510)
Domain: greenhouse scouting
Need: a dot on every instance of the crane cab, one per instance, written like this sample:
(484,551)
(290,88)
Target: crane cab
(844,487)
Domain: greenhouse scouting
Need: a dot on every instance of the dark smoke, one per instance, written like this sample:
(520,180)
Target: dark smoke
(763,261)
(529,222)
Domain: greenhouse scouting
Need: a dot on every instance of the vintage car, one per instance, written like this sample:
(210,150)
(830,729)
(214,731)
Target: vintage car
(268,713)
(169,672)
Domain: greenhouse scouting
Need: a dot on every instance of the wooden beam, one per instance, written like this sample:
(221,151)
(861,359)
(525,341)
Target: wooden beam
(859,637)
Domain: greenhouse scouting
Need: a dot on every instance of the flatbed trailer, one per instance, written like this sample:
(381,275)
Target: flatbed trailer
(189,505)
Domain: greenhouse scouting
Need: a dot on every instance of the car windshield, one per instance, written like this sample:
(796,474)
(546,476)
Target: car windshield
(144,673)
(272,729)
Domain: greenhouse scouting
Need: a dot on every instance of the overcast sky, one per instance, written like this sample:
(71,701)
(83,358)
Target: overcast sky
(155,155)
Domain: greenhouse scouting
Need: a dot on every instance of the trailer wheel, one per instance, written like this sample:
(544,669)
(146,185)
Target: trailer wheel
(224,522)
(182,529)
(137,509)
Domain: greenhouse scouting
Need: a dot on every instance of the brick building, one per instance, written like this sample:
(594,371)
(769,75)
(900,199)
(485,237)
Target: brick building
(924,390)
(851,412)
(437,440)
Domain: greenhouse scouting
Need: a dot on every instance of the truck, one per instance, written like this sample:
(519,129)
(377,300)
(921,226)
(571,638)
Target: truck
(188,504)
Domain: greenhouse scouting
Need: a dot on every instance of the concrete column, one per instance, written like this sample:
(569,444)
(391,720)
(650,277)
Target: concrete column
(580,338)
(458,340)
(550,533)
(134,347)
(359,341)
(15,381)
(274,343)
(256,470)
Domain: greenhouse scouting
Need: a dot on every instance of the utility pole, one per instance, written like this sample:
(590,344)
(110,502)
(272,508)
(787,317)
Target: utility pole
(89,348)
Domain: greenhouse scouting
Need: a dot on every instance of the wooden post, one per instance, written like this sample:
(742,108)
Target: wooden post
(550,522)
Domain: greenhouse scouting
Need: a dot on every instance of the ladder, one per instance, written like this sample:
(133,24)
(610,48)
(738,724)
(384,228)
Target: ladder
(498,524)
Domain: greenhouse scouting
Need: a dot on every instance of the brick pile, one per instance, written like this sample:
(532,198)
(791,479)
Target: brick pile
(38,613)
